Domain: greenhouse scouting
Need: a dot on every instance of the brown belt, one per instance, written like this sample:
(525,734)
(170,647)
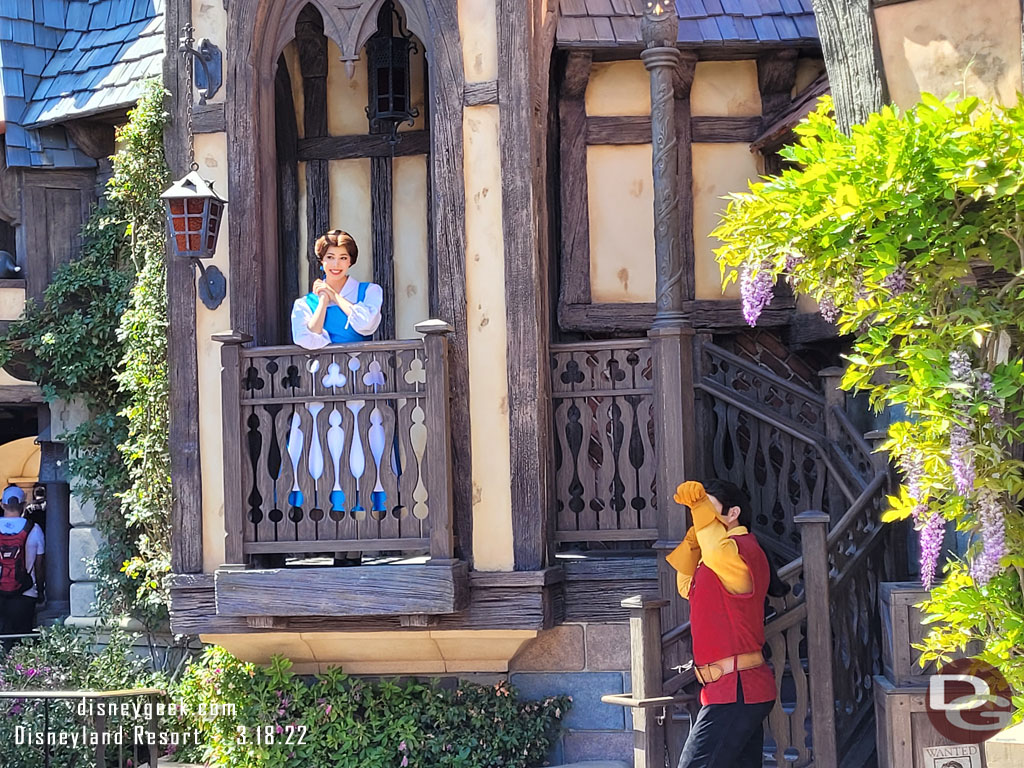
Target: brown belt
(716,670)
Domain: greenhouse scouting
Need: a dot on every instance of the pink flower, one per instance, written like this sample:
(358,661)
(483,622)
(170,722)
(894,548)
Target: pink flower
(405,761)
(401,747)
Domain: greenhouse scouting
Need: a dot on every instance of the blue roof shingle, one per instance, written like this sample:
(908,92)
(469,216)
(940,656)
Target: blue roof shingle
(702,22)
(66,59)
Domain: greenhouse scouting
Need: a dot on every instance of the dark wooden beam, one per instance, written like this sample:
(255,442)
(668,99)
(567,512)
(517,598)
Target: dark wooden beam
(574,285)
(312,47)
(854,62)
(808,328)
(21,394)
(725,130)
(367,590)
(346,147)
(496,601)
(286,137)
(701,314)
(383,241)
(448,198)
(776,74)
(208,118)
(183,367)
(479,94)
(525,291)
(636,129)
(94,138)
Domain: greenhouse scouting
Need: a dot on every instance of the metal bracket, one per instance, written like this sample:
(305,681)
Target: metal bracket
(213,286)
(208,76)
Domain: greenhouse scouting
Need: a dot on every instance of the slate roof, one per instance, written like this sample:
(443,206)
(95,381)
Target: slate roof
(606,23)
(64,59)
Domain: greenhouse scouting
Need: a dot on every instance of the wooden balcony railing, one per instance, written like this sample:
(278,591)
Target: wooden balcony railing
(604,447)
(341,449)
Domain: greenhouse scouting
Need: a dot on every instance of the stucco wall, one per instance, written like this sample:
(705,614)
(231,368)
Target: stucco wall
(211,154)
(718,169)
(620,196)
(19,464)
(478,29)
(409,201)
(12,302)
(725,88)
(351,210)
(618,88)
(370,653)
(486,333)
(944,46)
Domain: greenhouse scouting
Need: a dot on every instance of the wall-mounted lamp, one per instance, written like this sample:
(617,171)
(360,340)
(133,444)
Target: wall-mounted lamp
(194,209)
(387,56)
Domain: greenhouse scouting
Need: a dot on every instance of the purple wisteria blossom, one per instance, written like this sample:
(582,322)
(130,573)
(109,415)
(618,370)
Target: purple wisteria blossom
(961,458)
(960,366)
(932,533)
(993,537)
(912,463)
(756,290)
(793,258)
(828,309)
(897,282)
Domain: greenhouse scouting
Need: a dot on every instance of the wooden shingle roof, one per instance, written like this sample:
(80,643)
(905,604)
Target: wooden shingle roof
(608,23)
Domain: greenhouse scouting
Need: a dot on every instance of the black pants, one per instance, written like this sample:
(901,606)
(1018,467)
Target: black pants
(17,615)
(727,735)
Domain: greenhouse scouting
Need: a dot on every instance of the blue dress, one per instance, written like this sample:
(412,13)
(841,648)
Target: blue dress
(336,322)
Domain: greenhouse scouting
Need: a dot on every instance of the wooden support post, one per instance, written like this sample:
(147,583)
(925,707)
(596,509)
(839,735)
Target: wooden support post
(814,542)
(231,421)
(439,441)
(835,399)
(854,62)
(383,242)
(646,669)
(287,141)
(309,32)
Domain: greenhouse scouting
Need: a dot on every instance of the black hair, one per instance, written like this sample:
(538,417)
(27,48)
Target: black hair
(730,495)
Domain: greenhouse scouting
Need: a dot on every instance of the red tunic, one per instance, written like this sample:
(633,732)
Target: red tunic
(723,624)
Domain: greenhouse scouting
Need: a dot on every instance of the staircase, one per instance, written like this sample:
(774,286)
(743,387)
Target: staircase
(818,492)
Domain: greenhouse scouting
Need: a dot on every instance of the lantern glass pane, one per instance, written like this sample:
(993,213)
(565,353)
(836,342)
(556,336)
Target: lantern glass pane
(211,242)
(180,243)
(177,206)
(196,205)
(195,223)
(195,242)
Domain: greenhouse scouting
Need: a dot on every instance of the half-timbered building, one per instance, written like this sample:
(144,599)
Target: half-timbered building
(486,487)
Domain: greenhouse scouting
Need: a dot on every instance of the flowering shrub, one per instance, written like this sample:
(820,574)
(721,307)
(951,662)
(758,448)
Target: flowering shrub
(64,659)
(909,232)
(267,717)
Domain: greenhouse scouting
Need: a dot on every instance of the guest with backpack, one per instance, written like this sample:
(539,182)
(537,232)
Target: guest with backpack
(21,566)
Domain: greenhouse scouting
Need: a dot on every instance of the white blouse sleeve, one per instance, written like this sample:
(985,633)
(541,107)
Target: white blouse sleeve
(301,335)
(365,316)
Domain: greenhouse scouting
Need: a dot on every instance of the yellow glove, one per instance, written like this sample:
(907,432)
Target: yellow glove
(690,493)
(691,539)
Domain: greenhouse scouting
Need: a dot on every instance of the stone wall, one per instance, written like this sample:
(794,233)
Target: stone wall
(585,661)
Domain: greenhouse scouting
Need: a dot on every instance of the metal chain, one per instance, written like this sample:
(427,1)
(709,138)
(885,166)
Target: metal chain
(188,52)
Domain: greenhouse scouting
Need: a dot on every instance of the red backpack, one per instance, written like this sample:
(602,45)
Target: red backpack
(15,578)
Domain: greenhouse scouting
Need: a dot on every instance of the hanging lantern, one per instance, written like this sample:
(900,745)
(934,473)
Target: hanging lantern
(194,212)
(389,82)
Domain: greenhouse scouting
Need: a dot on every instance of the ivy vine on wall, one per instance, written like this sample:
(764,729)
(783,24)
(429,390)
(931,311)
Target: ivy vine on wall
(99,338)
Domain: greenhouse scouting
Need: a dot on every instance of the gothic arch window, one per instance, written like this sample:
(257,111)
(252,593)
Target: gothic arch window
(335,169)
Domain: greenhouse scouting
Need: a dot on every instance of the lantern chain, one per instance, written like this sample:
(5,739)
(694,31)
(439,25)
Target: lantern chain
(188,52)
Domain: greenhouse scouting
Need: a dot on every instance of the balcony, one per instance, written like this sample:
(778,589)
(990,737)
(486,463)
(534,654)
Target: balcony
(340,452)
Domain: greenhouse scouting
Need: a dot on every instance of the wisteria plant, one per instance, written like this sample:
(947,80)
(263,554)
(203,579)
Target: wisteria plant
(909,233)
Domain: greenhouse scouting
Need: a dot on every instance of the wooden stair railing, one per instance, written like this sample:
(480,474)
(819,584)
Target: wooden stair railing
(829,622)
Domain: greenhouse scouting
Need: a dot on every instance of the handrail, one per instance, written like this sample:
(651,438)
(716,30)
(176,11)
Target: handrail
(588,346)
(748,407)
(851,431)
(855,509)
(357,346)
(47,694)
(764,373)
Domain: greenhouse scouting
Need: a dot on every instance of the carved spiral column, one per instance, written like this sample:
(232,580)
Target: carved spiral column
(661,58)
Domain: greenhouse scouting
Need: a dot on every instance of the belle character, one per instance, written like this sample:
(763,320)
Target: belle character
(339,309)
